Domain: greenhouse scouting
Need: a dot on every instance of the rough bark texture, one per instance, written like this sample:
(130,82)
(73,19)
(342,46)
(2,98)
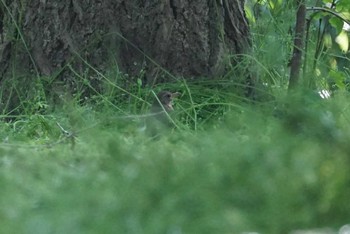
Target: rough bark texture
(296,60)
(184,38)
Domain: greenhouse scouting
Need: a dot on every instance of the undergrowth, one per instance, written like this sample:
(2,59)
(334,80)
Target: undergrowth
(231,166)
(76,158)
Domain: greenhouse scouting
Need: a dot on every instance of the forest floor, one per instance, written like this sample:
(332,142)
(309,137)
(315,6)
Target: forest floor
(250,169)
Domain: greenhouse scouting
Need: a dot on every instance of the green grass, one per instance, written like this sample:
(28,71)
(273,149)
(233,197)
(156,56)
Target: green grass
(277,163)
(267,169)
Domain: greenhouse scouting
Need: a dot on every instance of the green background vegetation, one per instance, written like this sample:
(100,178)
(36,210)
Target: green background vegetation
(272,165)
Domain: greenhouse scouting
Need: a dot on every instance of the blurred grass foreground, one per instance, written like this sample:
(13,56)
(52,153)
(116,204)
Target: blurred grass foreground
(253,172)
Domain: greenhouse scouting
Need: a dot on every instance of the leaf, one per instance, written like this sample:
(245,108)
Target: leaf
(338,77)
(249,14)
(343,41)
(343,4)
(336,23)
(139,82)
(319,15)
(327,40)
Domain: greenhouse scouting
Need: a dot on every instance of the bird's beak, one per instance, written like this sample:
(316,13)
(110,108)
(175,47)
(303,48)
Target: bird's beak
(170,106)
(175,95)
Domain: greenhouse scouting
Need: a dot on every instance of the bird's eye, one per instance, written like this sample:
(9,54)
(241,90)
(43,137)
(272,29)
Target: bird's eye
(168,95)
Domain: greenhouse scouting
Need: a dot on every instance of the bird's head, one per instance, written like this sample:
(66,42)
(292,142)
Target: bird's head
(166,99)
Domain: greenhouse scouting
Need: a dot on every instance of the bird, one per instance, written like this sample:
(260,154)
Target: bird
(159,119)
(164,101)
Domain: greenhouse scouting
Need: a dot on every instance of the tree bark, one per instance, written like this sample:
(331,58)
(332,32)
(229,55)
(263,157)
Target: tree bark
(299,36)
(159,39)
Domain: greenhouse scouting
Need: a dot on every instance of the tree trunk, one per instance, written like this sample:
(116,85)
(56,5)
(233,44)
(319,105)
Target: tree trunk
(298,49)
(59,38)
(186,38)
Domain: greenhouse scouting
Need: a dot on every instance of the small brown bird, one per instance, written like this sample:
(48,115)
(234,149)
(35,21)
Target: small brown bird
(164,101)
(161,110)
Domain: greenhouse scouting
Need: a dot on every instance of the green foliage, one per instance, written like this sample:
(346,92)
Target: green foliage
(270,173)
(327,44)
(243,156)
